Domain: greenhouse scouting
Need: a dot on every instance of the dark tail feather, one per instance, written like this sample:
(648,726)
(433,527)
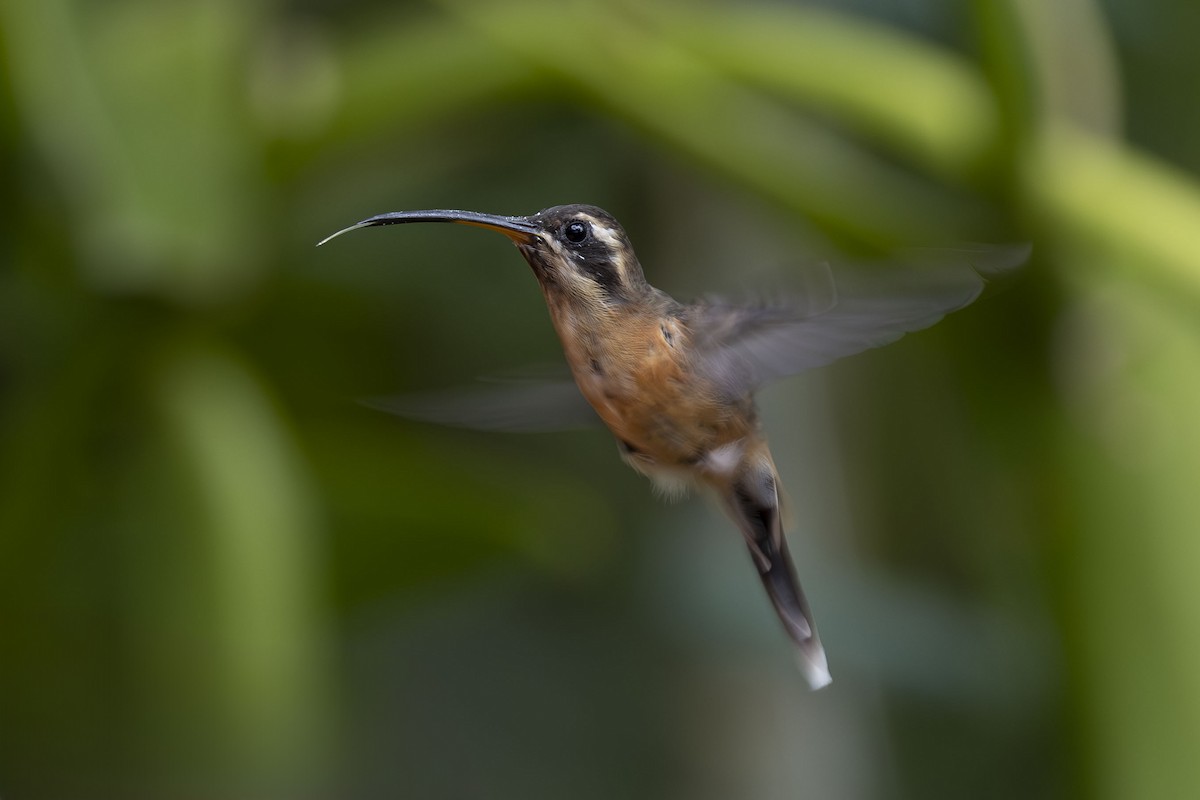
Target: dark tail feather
(779,579)
(754,505)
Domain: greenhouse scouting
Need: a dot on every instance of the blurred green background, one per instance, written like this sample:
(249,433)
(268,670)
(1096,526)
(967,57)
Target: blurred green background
(222,578)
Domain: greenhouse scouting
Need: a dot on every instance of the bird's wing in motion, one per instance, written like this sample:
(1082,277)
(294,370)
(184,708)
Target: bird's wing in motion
(513,403)
(743,347)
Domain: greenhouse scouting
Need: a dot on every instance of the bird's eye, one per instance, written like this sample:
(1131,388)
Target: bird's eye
(576,231)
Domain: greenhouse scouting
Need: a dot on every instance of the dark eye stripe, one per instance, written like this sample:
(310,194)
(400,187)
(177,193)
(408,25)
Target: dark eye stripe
(592,257)
(605,275)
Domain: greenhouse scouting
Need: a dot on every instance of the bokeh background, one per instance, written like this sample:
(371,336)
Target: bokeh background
(220,577)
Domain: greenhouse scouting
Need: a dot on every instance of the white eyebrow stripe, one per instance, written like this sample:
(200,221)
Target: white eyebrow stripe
(605,234)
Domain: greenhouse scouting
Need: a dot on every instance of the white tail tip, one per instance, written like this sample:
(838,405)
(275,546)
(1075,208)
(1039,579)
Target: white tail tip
(815,668)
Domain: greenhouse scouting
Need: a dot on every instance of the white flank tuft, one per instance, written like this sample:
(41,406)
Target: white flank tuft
(724,460)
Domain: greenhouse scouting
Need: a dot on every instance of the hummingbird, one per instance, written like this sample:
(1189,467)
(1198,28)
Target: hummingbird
(675,382)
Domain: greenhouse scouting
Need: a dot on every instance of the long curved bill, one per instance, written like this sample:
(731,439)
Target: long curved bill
(519,229)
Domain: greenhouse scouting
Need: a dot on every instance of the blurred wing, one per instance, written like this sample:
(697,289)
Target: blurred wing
(743,347)
(498,404)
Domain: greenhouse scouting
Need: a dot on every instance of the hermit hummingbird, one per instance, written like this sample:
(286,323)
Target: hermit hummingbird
(675,382)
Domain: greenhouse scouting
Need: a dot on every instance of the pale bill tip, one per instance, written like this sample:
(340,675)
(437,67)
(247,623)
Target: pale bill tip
(339,233)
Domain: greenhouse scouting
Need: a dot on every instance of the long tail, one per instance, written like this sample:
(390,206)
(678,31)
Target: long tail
(752,500)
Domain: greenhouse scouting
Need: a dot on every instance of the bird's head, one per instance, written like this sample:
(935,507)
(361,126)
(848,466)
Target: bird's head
(578,252)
